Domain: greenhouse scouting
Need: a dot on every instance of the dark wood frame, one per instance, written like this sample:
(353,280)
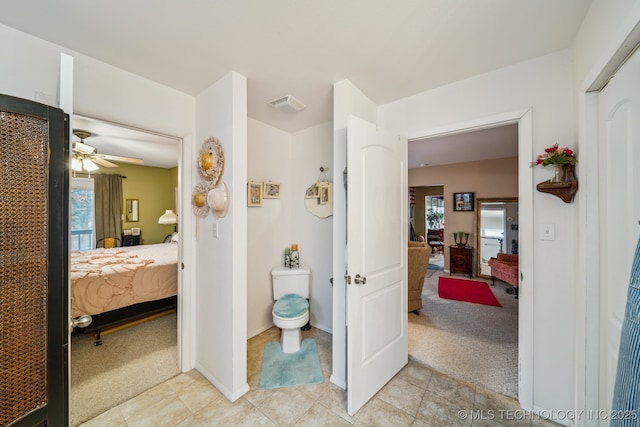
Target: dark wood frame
(125,314)
(468,205)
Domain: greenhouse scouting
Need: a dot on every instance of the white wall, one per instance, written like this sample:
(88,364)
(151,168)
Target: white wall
(293,160)
(221,264)
(30,70)
(544,84)
(313,148)
(268,227)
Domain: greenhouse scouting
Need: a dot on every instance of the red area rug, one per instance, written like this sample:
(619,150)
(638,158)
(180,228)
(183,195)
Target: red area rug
(466,290)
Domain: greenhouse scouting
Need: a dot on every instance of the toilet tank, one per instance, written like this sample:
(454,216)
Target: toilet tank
(290,281)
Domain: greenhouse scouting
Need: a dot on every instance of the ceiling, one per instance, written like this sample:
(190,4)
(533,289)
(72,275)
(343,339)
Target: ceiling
(389,50)
(155,149)
(484,144)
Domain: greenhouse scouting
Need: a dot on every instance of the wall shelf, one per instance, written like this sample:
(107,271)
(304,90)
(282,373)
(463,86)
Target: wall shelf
(564,189)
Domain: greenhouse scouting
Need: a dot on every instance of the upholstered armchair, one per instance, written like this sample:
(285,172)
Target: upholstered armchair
(418,261)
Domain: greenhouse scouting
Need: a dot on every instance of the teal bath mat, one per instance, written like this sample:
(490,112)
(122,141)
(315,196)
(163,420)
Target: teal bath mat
(288,370)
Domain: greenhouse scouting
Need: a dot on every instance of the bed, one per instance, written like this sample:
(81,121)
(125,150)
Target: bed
(123,284)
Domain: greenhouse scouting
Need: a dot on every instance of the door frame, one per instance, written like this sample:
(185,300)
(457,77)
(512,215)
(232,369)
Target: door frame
(183,306)
(524,119)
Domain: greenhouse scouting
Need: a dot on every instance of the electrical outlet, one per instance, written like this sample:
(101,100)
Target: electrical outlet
(547,232)
(215,230)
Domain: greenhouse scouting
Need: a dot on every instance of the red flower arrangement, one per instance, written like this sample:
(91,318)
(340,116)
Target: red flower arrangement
(556,156)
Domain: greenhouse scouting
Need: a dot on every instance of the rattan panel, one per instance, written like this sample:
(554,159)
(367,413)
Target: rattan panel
(23,265)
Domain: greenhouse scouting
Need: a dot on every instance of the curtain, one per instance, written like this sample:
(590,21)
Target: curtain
(108,199)
(626,392)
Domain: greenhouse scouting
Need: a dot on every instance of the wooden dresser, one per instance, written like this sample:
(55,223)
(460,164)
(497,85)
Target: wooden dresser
(461,260)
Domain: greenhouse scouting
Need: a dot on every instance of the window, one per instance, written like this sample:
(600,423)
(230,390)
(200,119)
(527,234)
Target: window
(82,214)
(434,214)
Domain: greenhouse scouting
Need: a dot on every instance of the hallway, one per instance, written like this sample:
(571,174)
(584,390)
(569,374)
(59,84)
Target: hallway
(416,396)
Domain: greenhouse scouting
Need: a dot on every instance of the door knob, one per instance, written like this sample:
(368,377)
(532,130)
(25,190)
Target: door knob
(359,280)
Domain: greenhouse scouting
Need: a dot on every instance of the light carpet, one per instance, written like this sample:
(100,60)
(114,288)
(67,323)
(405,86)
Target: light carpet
(290,369)
(129,362)
(472,342)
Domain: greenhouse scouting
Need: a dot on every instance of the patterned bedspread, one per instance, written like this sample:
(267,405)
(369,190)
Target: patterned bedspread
(106,279)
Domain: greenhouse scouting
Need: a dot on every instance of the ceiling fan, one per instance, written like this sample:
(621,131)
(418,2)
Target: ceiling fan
(86,158)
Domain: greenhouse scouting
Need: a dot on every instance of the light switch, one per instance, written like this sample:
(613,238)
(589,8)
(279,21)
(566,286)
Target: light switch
(547,232)
(215,230)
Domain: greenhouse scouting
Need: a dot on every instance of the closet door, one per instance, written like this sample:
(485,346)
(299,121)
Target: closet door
(619,124)
(34,194)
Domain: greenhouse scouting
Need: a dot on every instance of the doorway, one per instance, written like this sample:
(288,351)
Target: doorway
(523,119)
(140,343)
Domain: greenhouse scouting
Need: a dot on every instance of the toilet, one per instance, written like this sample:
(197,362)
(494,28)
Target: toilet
(291,308)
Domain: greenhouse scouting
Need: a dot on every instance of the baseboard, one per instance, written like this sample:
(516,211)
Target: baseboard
(340,382)
(323,328)
(259,330)
(230,395)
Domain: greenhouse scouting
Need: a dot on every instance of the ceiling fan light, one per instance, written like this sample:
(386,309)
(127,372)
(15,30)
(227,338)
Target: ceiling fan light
(88,165)
(76,164)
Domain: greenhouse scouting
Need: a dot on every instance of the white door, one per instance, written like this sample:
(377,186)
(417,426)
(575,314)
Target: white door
(619,122)
(377,345)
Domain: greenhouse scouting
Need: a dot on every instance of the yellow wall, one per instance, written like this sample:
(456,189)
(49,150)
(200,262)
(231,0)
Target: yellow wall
(488,178)
(155,190)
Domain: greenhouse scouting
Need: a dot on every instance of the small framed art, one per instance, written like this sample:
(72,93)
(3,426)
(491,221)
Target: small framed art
(463,202)
(312,192)
(254,193)
(324,193)
(271,190)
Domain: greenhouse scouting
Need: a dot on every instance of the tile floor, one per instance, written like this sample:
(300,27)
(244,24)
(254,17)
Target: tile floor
(416,396)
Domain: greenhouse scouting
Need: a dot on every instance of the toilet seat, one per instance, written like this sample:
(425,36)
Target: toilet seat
(290,313)
(290,307)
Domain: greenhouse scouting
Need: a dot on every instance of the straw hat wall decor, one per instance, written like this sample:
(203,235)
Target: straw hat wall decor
(218,199)
(211,160)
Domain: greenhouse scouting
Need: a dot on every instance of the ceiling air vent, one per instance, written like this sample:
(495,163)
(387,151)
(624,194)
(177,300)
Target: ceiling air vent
(287,101)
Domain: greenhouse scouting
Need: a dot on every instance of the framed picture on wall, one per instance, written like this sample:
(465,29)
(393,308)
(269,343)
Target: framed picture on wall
(312,192)
(254,193)
(271,190)
(463,202)
(324,192)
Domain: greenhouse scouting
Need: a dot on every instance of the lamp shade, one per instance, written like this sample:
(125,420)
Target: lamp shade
(76,164)
(88,165)
(168,217)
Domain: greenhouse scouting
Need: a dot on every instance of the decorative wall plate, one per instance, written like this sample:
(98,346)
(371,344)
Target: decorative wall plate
(211,160)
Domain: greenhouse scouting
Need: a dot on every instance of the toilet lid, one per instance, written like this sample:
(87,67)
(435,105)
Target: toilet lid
(290,305)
